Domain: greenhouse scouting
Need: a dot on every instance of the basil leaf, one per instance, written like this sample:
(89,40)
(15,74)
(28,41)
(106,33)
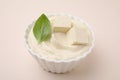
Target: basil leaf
(42,29)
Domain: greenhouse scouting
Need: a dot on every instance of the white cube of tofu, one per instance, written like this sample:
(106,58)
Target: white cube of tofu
(61,24)
(78,35)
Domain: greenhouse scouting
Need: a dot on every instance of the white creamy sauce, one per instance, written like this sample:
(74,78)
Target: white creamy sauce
(58,46)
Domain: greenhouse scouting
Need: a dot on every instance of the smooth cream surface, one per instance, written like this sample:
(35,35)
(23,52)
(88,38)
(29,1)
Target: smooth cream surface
(58,47)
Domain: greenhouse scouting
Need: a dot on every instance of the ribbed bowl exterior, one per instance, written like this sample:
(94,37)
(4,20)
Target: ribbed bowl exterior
(56,67)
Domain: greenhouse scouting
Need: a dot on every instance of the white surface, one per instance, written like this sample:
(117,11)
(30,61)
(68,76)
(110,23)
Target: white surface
(47,49)
(103,15)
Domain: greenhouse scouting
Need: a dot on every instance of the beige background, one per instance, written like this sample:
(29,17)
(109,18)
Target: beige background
(104,17)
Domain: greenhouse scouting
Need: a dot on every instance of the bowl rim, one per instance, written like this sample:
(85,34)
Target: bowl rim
(65,60)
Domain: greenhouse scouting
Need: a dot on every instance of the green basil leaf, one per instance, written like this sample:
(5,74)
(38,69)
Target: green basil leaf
(42,29)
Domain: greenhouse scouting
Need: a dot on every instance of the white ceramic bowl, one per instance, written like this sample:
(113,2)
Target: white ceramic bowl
(58,66)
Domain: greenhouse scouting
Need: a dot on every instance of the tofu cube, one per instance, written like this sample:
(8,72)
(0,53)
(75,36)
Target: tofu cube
(78,35)
(61,24)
